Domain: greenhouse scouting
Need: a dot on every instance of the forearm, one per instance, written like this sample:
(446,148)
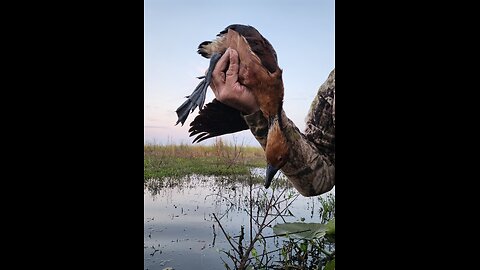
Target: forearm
(310,171)
(258,125)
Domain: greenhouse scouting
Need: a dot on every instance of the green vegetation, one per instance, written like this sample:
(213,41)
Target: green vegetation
(299,245)
(304,246)
(162,161)
(309,245)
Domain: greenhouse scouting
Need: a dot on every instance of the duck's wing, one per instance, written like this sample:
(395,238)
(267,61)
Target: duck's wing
(216,119)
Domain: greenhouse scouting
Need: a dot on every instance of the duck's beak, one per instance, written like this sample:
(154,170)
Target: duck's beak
(271,171)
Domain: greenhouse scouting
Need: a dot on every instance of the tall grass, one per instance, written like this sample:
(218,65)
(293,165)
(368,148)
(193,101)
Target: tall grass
(218,159)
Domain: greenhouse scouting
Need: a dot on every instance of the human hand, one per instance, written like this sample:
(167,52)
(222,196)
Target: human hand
(227,88)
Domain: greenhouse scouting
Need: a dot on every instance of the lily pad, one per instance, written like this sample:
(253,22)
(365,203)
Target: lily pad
(301,230)
(331,227)
(330,265)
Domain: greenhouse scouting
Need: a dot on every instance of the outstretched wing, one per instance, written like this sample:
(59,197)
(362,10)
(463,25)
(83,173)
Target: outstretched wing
(216,119)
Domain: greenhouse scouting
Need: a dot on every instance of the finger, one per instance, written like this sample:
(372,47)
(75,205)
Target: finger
(232,72)
(214,88)
(221,66)
(218,74)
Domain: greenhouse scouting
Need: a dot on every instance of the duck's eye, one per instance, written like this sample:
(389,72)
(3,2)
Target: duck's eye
(280,158)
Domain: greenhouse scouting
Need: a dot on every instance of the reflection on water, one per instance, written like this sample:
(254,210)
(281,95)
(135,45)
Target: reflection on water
(180,230)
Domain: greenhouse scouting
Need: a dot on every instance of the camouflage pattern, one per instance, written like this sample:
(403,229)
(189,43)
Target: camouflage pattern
(311,161)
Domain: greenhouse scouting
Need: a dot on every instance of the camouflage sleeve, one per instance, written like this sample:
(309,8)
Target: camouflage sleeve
(311,165)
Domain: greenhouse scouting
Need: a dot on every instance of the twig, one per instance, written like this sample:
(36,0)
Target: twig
(240,245)
(251,209)
(224,233)
(214,235)
(263,225)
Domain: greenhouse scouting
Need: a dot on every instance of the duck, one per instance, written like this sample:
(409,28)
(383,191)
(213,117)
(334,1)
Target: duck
(259,71)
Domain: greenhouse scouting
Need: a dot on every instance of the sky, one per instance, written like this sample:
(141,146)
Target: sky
(301,32)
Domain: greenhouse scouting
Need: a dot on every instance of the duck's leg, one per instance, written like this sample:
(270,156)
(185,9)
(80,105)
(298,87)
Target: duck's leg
(197,98)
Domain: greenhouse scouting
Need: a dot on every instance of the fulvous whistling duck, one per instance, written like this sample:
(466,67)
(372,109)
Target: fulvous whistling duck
(258,71)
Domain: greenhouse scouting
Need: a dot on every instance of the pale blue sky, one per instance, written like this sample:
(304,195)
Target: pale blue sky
(302,33)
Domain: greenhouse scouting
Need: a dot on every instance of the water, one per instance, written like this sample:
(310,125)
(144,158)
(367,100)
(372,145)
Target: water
(180,230)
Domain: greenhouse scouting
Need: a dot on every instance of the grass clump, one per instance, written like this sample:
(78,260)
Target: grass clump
(219,159)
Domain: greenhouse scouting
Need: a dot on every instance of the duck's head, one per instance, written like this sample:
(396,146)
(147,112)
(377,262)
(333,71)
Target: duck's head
(277,149)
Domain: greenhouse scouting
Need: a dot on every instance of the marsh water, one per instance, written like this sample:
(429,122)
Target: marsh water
(180,230)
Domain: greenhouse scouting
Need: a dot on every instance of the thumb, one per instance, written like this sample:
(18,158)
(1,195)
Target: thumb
(232,72)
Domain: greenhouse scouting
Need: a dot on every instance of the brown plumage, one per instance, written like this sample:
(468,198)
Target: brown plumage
(259,71)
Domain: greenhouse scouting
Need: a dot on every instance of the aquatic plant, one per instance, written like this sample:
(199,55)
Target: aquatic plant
(308,245)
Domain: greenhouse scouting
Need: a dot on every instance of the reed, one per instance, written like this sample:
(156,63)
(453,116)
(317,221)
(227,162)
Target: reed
(220,159)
